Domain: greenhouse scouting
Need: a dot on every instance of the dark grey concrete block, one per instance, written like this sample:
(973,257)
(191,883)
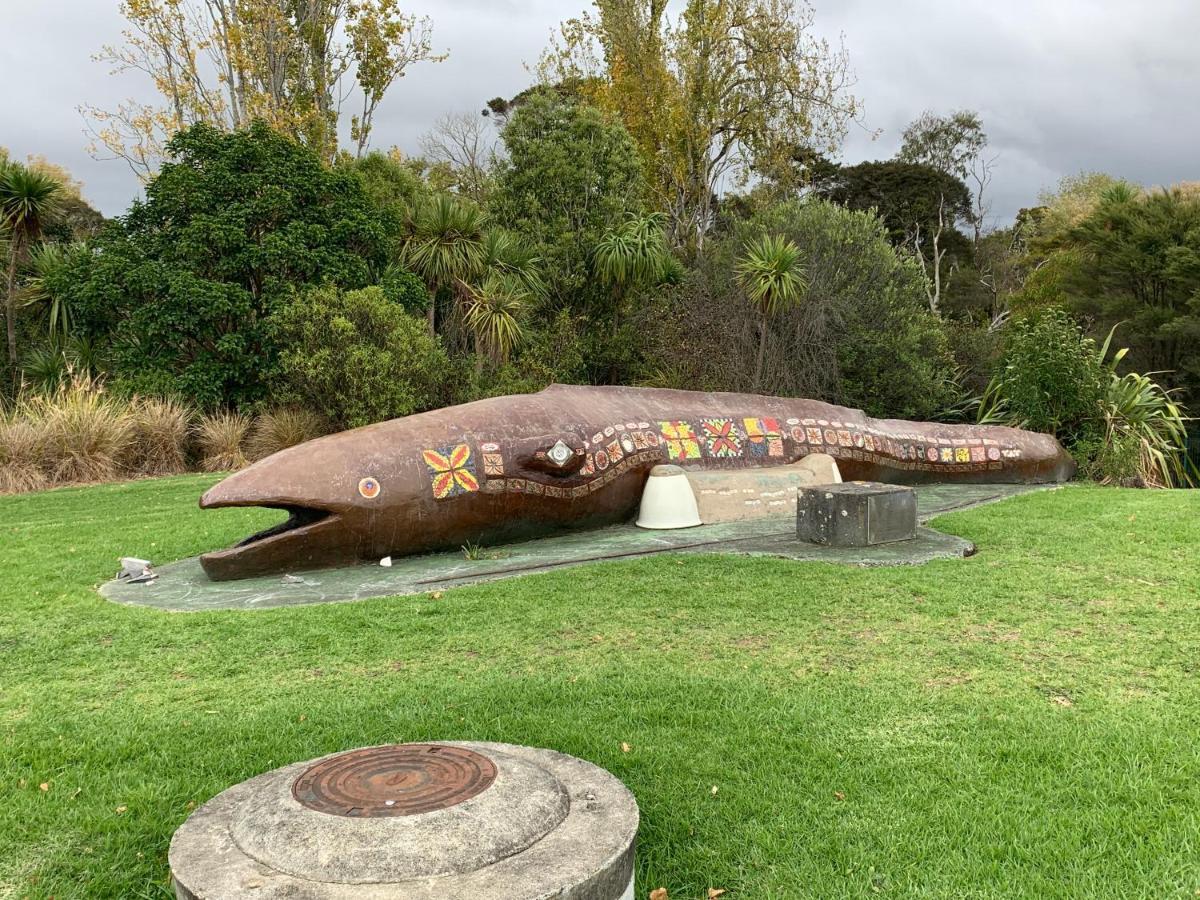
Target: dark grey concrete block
(856,514)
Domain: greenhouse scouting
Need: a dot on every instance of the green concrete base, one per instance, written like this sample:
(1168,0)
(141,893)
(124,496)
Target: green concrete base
(183,586)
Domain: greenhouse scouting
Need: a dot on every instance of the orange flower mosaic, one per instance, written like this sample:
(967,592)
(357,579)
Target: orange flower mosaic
(452,471)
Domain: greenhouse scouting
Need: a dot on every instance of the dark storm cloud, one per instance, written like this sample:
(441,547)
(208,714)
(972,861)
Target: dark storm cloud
(1062,86)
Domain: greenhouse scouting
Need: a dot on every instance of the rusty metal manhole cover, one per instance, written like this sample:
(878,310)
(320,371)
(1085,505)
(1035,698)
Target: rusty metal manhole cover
(394,781)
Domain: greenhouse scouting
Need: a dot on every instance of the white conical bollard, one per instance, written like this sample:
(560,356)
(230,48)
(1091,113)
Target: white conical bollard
(668,501)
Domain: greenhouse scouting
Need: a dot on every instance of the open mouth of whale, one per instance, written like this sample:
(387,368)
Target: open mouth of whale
(296,539)
(301,520)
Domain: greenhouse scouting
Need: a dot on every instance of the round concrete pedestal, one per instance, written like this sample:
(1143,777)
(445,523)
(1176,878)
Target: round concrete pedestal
(461,820)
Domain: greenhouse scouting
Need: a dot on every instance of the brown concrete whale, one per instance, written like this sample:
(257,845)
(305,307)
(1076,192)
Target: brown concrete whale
(571,457)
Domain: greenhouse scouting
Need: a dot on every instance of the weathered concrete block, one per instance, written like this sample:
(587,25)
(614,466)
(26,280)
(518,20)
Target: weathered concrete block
(856,514)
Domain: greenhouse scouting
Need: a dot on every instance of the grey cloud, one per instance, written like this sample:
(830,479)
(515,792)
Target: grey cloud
(1062,86)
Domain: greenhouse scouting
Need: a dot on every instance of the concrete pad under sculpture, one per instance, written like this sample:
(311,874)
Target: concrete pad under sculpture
(415,821)
(570,458)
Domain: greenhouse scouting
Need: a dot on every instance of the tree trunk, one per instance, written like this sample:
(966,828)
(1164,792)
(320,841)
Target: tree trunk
(431,315)
(10,309)
(762,353)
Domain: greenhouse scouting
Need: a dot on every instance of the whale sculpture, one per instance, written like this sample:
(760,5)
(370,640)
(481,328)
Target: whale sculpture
(515,467)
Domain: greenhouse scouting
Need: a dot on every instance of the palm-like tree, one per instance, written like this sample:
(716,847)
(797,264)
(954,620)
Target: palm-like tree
(634,254)
(445,248)
(772,275)
(494,316)
(27,201)
(504,253)
(47,263)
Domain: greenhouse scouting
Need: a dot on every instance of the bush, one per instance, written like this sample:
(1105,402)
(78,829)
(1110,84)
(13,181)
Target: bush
(22,445)
(1050,377)
(220,437)
(405,289)
(355,358)
(86,432)
(160,436)
(279,429)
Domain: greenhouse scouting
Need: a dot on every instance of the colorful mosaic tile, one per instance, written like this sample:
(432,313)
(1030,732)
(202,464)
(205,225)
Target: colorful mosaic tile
(814,436)
(947,455)
(962,455)
(978,455)
(799,436)
(721,438)
(763,437)
(601,460)
(452,471)
(615,452)
(682,442)
(493,464)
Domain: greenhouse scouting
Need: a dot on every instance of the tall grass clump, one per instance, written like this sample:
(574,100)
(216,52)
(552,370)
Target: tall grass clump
(161,430)
(282,428)
(22,444)
(221,437)
(86,432)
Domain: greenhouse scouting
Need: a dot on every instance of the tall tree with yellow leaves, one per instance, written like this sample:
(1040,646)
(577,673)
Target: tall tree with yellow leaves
(731,89)
(229,62)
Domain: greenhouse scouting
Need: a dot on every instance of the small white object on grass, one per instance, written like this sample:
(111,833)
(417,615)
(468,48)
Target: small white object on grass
(386,562)
(136,571)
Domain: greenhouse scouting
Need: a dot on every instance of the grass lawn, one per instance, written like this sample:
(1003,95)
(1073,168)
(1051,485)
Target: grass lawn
(1024,723)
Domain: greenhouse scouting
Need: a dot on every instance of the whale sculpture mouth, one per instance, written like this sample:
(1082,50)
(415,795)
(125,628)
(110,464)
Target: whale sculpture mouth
(304,538)
(301,520)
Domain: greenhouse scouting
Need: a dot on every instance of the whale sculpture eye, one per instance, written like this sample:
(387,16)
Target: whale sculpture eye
(559,454)
(369,488)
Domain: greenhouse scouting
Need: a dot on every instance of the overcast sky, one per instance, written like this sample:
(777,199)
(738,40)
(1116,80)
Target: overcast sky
(1062,85)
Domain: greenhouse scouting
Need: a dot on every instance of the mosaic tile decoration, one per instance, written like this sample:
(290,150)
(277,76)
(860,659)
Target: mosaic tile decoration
(452,471)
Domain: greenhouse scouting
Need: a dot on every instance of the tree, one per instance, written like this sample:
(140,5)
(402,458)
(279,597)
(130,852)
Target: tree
(28,200)
(1137,260)
(465,146)
(494,316)
(445,247)
(357,358)
(772,276)
(907,196)
(233,225)
(863,337)
(922,207)
(730,90)
(950,143)
(226,63)
(632,255)
(571,173)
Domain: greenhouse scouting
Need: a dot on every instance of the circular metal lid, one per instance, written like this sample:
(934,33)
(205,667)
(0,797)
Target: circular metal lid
(401,780)
(393,813)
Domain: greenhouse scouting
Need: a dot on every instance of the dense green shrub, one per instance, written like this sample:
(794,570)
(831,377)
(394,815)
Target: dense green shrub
(355,357)
(1050,376)
(405,289)
(183,285)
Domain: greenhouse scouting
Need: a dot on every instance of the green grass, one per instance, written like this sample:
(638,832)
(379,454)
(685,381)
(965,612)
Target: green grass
(1023,723)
